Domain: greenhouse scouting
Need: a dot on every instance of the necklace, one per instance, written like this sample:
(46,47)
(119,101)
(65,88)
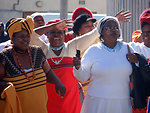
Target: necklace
(18,50)
(20,65)
(56,48)
(58,61)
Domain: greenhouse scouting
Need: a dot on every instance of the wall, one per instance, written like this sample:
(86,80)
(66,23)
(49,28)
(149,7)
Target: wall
(135,6)
(19,8)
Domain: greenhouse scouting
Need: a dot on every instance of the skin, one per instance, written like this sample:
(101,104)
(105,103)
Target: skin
(21,40)
(56,39)
(146,35)
(39,21)
(110,37)
(86,27)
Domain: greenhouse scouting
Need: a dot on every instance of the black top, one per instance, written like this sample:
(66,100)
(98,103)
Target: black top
(7,58)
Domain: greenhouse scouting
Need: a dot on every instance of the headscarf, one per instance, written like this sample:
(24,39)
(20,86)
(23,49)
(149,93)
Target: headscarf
(18,24)
(81,10)
(102,23)
(145,17)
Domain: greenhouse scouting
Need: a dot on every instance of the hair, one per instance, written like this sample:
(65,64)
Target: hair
(1,24)
(81,20)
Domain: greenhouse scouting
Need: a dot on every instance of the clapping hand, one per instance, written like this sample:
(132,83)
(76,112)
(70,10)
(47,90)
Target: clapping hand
(123,16)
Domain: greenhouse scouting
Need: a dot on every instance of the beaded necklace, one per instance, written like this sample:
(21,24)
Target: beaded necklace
(19,63)
(56,48)
(58,61)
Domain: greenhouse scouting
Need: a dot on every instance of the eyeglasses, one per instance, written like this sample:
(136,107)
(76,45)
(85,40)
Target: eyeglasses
(54,33)
(111,28)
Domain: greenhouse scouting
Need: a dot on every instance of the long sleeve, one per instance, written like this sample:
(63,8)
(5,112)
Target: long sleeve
(35,40)
(82,42)
(83,73)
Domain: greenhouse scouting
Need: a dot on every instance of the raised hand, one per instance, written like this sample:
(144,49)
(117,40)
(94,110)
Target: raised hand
(63,24)
(123,16)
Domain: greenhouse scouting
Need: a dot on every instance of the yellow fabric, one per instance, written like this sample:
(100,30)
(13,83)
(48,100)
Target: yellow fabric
(12,104)
(32,94)
(20,23)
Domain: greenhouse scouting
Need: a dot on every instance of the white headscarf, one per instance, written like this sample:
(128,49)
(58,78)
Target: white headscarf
(102,23)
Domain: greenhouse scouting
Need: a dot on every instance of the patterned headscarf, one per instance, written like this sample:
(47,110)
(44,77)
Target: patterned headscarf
(18,24)
(102,22)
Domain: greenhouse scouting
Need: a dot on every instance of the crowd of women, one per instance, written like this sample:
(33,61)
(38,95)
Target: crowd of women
(41,67)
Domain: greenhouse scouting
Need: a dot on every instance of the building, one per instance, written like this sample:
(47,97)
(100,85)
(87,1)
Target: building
(21,8)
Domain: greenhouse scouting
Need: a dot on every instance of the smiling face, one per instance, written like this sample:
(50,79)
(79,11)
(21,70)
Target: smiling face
(146,35)
(56,38)
(86,27)
(21,39)
(110,32)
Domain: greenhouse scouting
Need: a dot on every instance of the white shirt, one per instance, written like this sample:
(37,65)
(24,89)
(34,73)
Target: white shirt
(141,48)
(2,45)
(109,72)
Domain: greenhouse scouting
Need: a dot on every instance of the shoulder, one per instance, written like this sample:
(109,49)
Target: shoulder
(94,49)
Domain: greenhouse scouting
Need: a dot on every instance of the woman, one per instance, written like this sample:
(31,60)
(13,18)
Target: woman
(108,68)
(59,56)
(27,69)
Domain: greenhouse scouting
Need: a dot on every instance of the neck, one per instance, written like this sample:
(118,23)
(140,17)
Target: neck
(110,45)
(56,48)
(18,50)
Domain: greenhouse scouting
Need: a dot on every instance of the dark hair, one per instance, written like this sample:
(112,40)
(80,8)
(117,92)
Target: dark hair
(81,20)
(145,23)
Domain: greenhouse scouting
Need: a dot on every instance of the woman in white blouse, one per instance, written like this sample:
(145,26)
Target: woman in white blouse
(107,65)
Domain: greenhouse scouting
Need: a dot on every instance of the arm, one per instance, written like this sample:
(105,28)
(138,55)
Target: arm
(52,78)
(83,42)
(3,84)
(82,69)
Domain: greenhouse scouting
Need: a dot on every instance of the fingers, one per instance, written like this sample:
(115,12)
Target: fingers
(120,12)
(62,92)
(132,58)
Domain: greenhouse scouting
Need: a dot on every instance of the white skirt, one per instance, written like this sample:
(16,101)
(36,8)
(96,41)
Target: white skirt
(101,105)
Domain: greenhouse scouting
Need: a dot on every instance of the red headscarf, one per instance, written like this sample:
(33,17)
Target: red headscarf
(81,10)
(145,17)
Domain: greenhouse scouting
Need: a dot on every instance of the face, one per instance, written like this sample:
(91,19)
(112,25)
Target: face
(86,27)
(110,31)
(38,21)
(146,35)
(56,38)
(21,39)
